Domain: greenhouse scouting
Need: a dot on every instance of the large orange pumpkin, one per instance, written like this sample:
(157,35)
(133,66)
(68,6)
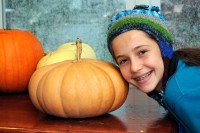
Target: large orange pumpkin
(78,89)
(20,52)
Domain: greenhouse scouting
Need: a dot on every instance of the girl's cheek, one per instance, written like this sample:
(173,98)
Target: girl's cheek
(125,73)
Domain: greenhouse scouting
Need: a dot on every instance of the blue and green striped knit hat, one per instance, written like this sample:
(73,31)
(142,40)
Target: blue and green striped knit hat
(147,19)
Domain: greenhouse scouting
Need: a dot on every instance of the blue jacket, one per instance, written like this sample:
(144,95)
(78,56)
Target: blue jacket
(182,97)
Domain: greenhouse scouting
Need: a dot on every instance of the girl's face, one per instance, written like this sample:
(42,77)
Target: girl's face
(139,59)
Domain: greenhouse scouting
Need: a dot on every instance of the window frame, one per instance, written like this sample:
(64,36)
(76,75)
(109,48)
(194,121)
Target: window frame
(2,14)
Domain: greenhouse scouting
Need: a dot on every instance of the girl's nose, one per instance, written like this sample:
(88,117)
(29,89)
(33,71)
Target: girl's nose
(136,65)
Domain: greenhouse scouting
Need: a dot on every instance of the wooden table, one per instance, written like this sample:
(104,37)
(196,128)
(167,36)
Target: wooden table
(139,114)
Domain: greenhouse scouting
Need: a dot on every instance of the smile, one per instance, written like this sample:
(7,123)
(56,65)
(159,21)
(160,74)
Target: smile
(143,77)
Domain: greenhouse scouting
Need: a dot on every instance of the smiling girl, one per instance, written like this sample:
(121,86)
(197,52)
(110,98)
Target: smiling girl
(141,45)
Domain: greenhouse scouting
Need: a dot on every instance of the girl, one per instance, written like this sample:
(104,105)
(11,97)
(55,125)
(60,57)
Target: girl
(141,45)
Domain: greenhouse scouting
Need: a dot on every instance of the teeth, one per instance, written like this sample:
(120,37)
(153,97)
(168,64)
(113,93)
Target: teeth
(143,77)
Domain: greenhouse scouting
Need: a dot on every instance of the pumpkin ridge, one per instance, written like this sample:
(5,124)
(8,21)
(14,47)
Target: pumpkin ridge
(92,68)
(3,84)
(35,57)
(115,105)
(6,67)
(41,101)
(38,90)
(108,76)
(46,76)
(61,87)
(72,66)
(18,59)
(10,78)
(40,80)
(20,67)
(44,71)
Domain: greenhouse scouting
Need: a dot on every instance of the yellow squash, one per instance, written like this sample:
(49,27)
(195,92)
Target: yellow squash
(66,51)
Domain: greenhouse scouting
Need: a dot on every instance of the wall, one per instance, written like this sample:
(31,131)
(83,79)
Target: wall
(59,21)
(63,21)
(183,18)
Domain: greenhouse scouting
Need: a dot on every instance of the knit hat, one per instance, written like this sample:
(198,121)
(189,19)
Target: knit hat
(147,19)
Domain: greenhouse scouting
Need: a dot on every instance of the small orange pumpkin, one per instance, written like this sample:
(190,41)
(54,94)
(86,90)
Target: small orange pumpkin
(20,52)
(78,89)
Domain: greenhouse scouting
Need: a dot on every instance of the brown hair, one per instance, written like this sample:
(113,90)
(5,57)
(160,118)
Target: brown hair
(190,56)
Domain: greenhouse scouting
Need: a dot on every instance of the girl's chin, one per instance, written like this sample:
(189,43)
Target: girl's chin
(145,89)
(148,87)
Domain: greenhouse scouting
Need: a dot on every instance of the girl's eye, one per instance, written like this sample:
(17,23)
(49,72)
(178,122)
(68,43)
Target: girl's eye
(120,62)
(142,52)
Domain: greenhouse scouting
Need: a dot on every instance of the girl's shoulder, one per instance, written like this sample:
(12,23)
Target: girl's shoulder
(186,72)
(182,96)
(184,81)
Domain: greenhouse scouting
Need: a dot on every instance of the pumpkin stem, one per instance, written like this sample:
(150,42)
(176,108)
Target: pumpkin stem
(78,49)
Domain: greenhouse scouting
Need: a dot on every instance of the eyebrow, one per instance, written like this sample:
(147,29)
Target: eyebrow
(120,56)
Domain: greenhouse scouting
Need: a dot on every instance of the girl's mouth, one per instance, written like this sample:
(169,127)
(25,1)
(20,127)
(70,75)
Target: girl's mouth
(143,77)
